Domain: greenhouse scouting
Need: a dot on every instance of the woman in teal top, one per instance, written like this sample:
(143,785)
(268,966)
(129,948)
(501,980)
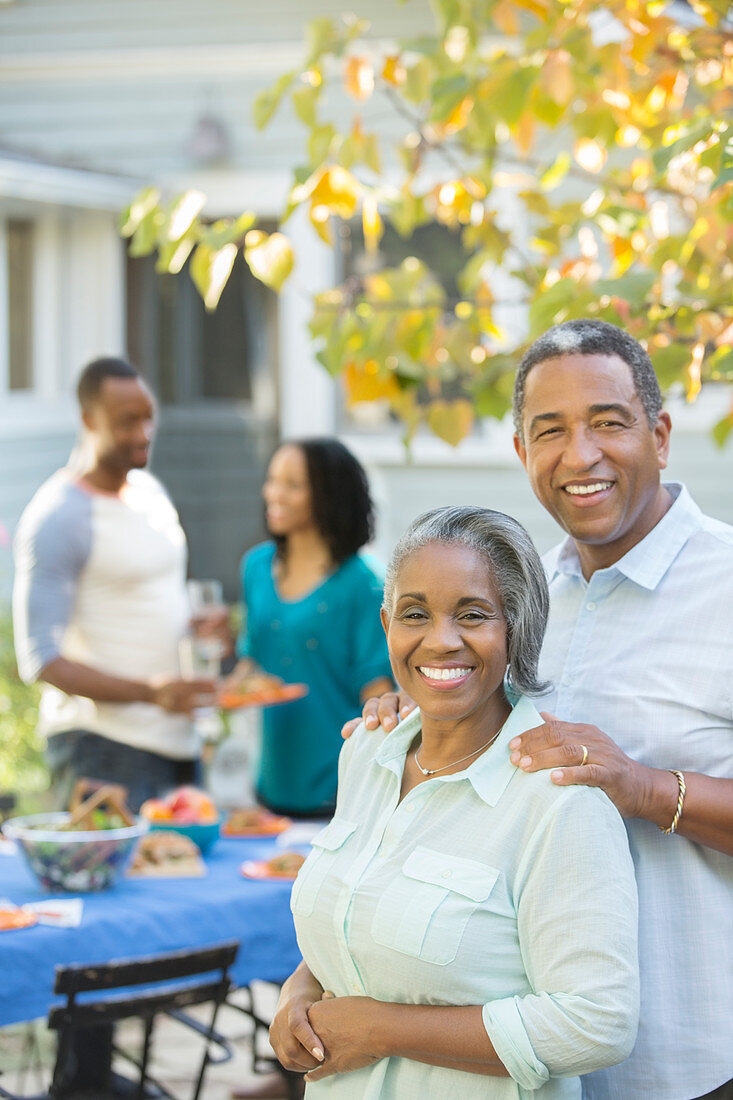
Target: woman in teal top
(312,616)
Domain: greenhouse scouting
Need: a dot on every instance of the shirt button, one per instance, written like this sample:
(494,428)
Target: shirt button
(275,624)
(590,606)
(312,643)
(446,874)
(356,988)
(287,661)
(410,808)
(322,608)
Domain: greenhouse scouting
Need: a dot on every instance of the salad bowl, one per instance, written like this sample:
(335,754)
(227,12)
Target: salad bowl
(69,859)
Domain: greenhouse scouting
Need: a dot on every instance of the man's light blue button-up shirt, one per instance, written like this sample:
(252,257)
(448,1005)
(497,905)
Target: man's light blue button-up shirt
(644,650)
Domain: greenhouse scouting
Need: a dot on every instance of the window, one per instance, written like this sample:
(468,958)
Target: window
(20,304)
(190,354)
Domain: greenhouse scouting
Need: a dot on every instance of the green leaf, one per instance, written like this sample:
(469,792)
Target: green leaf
(305,101)
(141,207)
(556,173)
(514,92)
(322,142)
(451,420)
(633,287)
(407,212)
(690,137)
(173,254)
(548,307)
(720,364)
(321,37)
(210,268)
(270,258)
(416,88)
(722,430)
(670,363)
(182,213)
(446,93)
(491,400)
(725,175)
(268,101)
(146,236)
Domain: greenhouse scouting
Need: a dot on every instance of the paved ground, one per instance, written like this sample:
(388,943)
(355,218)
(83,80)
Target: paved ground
(26,1053)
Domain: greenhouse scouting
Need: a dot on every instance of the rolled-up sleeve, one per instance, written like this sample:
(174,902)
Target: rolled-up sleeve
(577,922)
(51,548)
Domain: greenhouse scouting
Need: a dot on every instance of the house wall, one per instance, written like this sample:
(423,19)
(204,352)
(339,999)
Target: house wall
(120,88)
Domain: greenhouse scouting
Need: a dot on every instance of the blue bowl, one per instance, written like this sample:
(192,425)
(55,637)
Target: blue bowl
(203,834)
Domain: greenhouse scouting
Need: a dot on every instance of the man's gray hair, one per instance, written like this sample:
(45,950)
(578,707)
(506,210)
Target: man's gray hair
(590,337)
(515,568)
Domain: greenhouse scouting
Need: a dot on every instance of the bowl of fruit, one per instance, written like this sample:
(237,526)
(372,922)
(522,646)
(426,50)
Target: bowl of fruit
(83,849)
(185,810)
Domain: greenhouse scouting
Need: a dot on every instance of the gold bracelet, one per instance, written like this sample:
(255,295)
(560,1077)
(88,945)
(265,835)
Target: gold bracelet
(680,804)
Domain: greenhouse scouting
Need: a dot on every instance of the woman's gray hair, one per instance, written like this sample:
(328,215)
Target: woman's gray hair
(515,568)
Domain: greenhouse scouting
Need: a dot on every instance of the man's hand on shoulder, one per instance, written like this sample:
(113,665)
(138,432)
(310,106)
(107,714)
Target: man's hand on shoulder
(385,711)
(559,745)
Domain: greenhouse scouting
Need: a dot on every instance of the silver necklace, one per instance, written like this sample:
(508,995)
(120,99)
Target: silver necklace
(434,771)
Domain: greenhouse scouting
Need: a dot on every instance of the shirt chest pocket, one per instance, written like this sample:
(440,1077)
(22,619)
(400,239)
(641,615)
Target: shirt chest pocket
(425,909)
(326,847)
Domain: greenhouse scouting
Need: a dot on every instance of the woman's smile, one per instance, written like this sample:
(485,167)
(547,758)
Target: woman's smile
(445,677)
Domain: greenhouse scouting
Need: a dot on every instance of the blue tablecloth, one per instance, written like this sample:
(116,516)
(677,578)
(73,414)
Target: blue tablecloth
(143,916)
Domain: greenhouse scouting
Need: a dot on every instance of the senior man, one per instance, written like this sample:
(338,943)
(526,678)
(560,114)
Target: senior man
(640,642)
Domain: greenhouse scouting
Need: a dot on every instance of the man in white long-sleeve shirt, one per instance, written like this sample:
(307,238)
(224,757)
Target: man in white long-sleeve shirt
(99,607)
(100,601)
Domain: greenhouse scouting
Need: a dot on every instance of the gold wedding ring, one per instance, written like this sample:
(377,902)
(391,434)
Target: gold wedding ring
(585,756)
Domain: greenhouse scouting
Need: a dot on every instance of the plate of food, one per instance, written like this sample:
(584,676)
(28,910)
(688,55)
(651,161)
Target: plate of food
(260,690)
(254,822)
(285,865)
(166,855)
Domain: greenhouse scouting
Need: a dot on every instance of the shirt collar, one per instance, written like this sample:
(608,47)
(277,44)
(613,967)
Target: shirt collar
(646,563)
(489,775)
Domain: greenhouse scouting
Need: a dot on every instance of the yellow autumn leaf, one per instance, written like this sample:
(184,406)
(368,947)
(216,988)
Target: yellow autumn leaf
(537,7)
(505,17)
(557,77)
(371,223)
(337,190)
(270,258)
(694,372)
(320,217)
(359,77)
(524,132)
(394,71)
(451,420)
(459,116)
(363,384)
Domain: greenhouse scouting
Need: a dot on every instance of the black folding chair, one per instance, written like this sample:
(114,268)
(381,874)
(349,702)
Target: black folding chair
(264,1063)
(189,977)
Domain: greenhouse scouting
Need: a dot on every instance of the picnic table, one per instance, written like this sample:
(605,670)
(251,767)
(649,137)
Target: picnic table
(141,916)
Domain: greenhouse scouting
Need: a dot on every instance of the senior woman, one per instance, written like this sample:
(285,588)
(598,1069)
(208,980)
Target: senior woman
(474,926)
